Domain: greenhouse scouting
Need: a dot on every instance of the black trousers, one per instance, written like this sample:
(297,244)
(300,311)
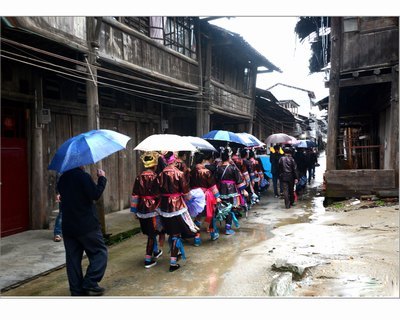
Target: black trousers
(93,245)
(288,193)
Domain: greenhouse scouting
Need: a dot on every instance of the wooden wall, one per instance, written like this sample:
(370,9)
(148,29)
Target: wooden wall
(376,40)
(227,101)
(354,183)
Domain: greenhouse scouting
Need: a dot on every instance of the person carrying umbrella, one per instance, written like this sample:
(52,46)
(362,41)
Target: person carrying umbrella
(288,175)
(82,230)
(230,184)
(145,200)
(173,210)
(201,177)
(274,159)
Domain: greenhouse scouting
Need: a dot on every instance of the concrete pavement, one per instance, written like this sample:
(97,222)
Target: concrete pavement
(30,254)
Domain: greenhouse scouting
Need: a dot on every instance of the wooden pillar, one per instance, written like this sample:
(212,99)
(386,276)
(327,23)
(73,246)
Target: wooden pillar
(206,88)
(39,217)
(334,92)
(92,101)
(394,124)
(252,88)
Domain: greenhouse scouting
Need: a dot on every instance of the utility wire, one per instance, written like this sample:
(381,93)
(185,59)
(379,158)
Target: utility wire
(84,73)
(99,67)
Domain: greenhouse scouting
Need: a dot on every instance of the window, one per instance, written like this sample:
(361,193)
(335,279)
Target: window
(140,24)
(176,33)
(179,35)
(246,81)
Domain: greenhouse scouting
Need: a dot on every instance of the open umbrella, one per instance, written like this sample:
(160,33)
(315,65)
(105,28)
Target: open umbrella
(251,141)
(223,136)
(87,148)
(165,142)
(280,138)
(200,144)
(305,144)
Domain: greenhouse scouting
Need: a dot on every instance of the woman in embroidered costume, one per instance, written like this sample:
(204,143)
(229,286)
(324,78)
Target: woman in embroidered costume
(230,184)
(246,178)
(256,178)
(175,218)
(144,203)
(203,178)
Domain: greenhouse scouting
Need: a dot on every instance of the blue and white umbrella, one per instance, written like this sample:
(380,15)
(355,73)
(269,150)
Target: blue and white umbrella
(223,135)
(305,144)
(87,148)
(251,141)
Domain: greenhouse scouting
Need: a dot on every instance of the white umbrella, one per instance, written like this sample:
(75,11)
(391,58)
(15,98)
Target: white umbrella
(281,138)
(165,142)
(200,144)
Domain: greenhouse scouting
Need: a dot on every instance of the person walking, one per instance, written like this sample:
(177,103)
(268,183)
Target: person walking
(274,159)
(288,176)
(145,200)
(173,210)
(82,230)
(201,177)
(57,232)
(230,184)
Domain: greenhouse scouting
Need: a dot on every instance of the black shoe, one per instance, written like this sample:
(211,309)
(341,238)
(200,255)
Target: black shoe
(158,254)
(149,264)
(95,291)
(174,267)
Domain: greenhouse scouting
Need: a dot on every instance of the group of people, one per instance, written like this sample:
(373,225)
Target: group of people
(289,169)
(170,198)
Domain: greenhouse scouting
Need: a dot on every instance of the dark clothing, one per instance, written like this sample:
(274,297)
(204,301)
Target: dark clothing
(287,174)
(230,182)
(93,245)
(287,168)
(145,200)
(301,161)
(201,177)
(181,165)
(274,159)
(81,229)
(145,193)
(312,159)
(173,186)
(78,192)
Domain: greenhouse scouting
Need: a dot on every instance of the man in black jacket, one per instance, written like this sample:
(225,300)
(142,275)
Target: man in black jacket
(288,176)
(82,230)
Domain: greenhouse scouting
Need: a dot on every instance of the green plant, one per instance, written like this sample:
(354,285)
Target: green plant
(379,202)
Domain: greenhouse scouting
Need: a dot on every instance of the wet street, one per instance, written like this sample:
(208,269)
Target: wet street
(355,254)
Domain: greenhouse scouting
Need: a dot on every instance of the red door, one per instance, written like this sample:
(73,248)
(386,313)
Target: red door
(14,175)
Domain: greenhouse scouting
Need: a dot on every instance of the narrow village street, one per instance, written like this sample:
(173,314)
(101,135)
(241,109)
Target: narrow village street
(344,253)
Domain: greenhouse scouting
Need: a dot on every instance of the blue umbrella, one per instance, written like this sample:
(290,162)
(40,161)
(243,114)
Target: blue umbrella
(305,144)
(87,148)
(223,135)
(251,141)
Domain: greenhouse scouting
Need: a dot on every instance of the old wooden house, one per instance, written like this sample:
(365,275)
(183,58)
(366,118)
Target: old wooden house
(271,117)
(61,76)
(363,112)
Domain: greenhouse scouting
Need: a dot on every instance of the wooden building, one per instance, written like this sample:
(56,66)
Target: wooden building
(61,76)
(270,117)
(363,112)
(230,67)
